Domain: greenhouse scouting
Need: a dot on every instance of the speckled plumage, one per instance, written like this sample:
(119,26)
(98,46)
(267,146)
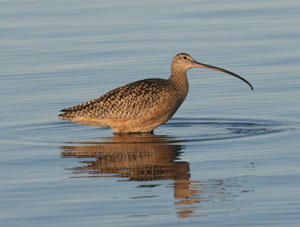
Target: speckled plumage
(140,106)
(138,101)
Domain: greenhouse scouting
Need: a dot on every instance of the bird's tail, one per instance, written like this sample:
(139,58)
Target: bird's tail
(66,115)
(76,111)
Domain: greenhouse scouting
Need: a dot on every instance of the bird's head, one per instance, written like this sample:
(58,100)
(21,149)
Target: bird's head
(183,61)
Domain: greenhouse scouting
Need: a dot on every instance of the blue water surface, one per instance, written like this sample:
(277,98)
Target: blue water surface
(229,157)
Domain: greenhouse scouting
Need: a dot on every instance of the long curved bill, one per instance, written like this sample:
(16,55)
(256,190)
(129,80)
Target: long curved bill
(201,65)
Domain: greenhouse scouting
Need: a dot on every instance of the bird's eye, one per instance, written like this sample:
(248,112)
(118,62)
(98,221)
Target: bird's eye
(184,57)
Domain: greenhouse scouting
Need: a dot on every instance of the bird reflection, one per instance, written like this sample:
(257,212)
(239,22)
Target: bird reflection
(138,157)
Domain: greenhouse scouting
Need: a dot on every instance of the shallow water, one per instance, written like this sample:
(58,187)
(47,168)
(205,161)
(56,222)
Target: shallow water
(229,157)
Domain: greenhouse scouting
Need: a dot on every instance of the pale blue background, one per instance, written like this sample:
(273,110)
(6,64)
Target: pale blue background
(242,147)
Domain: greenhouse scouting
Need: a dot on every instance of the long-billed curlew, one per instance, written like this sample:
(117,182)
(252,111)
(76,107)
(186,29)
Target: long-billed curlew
(143,105)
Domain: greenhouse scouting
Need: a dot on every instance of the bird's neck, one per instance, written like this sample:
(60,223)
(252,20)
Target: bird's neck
(179,78)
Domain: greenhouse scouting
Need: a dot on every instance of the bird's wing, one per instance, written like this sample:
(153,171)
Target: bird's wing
(126,102)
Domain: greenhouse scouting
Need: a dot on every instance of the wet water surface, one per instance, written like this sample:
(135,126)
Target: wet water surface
(229,156)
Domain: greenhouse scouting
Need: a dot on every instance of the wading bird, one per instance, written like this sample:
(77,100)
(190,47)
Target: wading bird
(143,105)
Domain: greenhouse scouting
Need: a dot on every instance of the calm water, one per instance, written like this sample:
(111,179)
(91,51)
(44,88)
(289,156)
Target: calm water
(229,157)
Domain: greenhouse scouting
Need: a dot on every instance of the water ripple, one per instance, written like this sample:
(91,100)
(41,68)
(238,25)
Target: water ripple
(210,129)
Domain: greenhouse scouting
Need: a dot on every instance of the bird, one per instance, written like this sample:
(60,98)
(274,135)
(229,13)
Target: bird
(143,105)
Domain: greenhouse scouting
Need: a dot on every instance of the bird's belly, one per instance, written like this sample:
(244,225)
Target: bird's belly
(143,124)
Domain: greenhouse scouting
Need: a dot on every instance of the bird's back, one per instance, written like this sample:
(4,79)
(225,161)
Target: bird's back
(131,101)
